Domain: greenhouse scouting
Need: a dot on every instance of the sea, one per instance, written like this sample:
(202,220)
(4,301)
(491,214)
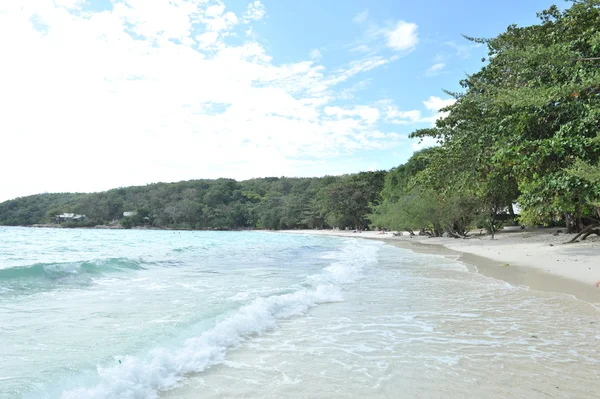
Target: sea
(90,313)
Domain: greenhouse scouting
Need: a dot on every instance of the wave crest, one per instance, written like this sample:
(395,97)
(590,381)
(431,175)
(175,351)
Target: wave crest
(162,368)
(59,270)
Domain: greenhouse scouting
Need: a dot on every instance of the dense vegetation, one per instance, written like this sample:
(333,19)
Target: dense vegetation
(525,129)
(272,203)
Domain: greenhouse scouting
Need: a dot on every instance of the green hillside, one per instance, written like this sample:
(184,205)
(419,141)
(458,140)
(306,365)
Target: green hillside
(273,203)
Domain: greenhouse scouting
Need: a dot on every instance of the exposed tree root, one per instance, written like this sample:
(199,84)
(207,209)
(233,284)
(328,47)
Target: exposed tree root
(591,229)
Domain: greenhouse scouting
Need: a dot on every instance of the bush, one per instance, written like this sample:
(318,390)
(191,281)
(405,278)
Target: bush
(126,223)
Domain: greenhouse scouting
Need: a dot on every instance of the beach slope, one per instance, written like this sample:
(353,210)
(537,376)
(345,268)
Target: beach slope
(537,258)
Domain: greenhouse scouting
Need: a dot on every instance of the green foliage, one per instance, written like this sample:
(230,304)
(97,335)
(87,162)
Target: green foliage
(415,210)
(271,203)
(347,202)
(525,128)
(37,209)
(126,223)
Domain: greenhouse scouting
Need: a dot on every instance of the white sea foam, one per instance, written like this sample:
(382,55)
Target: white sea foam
(240,296)
(349,263)
(162,369)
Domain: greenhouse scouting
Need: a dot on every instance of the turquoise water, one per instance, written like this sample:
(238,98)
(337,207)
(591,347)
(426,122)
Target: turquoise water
(93,313)
(149,314)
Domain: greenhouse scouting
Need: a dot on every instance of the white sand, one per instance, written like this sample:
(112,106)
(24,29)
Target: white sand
(533,254)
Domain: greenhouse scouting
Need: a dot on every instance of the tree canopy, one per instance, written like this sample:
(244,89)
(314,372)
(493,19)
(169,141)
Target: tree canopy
(270,203)
(524,129)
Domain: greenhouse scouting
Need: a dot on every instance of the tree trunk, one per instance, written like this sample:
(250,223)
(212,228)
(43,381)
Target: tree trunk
(569,223)
(578,221)
(590,229)
(453,234)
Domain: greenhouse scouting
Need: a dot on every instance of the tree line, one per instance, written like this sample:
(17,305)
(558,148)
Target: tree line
(267,203)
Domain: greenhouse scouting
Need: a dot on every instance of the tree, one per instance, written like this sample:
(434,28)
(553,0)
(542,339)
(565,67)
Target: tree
(547,75)
(347,202)
(525,118)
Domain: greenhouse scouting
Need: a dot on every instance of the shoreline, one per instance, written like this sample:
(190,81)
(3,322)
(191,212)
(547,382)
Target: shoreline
(119,227)
(534,258)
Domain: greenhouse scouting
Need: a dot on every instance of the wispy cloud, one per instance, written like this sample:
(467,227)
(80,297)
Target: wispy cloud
(433,105)
(462,50)
(361,17)
(163,81)
(360,48)
(349,93)
(255,11)
(315,54)
(400,37)
(421,143)
(356,67)
(366,113)
(435,68)
(403,37)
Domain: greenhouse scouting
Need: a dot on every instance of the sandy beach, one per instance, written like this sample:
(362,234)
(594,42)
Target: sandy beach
(537,258)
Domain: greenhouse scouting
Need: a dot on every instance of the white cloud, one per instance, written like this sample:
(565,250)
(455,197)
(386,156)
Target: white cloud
(434,103)
(463,50)
(207,39)
(215,10)
(361,17)
(348,94)
(403,117)
(356,67)
(255,11)
(70,4)
(360,48)
(435,69)
(152,91)
(368,114)
(421,143)
(403,37)
(315,54)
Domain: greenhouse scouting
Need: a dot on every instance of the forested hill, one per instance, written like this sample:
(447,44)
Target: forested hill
(272,203)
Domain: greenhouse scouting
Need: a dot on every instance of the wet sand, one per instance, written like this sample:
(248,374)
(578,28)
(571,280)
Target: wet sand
(536,258)
(419,326)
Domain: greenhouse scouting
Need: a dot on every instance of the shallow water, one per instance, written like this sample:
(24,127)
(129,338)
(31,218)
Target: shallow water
(419,326)
(137,314)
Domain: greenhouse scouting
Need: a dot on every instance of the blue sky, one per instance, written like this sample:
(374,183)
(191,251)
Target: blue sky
(106,93)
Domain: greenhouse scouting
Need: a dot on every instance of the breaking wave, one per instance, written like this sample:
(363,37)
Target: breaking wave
(60,270)
(161,369)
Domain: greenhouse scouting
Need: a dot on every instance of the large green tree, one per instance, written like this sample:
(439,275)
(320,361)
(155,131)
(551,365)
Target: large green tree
(526,117)
(347,202)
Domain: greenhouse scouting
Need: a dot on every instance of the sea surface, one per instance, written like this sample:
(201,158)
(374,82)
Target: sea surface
(181,314)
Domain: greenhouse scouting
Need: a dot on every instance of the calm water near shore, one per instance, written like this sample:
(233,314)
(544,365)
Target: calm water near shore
(143,314)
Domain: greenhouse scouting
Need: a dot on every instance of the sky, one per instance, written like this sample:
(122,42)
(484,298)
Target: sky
(100,94)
